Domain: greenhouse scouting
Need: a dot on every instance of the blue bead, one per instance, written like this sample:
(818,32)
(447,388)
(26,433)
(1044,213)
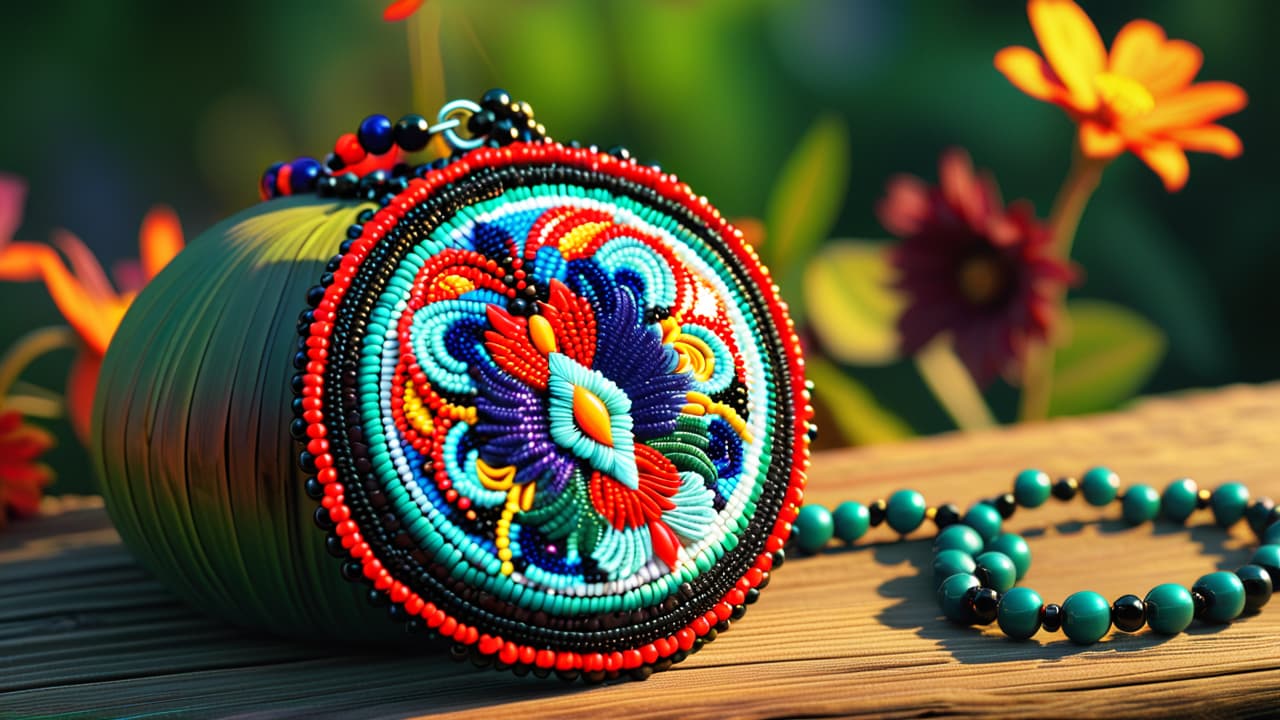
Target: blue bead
(1229,501)
(952,562)
(812,528)
(1272,534)
(995,570)
(951,597)
(269,179)
(851,520)
(985,519)
(1016,549)
(1086,617)
(1223,593)
(376,134)
(1031,488)
(303,175)
(1019,613)
(1100,486)
(1141,504)
(1179,499)
(959,537)
(1169,609)
(905,511)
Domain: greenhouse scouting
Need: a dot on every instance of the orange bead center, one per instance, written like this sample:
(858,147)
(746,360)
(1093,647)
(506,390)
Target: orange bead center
(590,413)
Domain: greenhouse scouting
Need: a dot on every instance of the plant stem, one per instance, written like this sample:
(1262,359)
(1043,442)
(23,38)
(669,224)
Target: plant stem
(425,59)
(28,348)
(953,385)
(1068,207)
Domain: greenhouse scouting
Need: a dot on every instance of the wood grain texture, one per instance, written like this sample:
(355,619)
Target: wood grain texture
(85,633)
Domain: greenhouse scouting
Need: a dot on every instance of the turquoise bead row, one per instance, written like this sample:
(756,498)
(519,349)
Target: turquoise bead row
(976,566)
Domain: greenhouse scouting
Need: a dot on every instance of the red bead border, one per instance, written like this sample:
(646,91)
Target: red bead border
(317,343)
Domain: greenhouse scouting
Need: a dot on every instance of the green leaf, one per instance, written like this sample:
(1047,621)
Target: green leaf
(858,416)
(1112,353)
(806,200)
(853,309)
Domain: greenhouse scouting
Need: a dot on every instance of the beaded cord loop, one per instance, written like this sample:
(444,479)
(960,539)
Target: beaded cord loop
(976,566)
(549,404)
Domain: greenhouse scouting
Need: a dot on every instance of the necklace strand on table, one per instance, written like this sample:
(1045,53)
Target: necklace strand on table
(976,565)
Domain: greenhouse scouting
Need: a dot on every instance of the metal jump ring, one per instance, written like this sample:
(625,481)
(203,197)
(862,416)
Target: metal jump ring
(448,125)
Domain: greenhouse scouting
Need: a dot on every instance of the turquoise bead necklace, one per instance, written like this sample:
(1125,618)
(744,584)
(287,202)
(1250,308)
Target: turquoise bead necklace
(976,566)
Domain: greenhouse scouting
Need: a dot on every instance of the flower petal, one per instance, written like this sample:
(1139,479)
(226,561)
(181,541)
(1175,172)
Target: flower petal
(96,322)
(960,187)
(159,239)
(1142,52)
(1031,74)
(1072,46)
(84,265)
(1168,161)
(905,207)
(1099,141)
(401,9)
(1208,138)
(1198,104)
(13,195)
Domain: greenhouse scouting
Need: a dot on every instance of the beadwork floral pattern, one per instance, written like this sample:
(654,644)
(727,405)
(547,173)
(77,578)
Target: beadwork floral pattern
(590,428)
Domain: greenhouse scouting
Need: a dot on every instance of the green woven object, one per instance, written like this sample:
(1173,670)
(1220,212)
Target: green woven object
(191,421)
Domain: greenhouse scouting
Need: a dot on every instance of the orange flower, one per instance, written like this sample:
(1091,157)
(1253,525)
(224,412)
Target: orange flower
(1139,98)
(401,9)
(91,305)
(21,478)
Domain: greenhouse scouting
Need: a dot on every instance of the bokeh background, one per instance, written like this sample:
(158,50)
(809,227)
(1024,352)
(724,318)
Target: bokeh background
(112,107)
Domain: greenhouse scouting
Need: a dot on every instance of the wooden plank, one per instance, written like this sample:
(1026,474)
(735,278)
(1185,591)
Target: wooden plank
(84,633)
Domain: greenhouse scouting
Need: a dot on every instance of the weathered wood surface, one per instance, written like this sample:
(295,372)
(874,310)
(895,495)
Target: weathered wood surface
(84,632)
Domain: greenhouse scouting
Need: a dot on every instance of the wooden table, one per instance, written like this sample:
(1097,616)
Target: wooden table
(85,633)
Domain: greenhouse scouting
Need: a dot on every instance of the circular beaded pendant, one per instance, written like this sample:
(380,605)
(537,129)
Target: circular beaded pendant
(554,410)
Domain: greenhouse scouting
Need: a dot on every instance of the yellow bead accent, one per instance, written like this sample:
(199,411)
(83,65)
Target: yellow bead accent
(543,337)
(700,404)
(591,415)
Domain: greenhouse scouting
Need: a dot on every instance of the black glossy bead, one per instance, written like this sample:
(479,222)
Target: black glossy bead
(1199,602)
(1051,617)
(496,100)
(1065,488)
(1257,586)
(411,133)
(482,122)
(377,598)
(322,519)
(307,462)
(345,184)
(982,603)
(779,558)
(352,570)
(740,610)
(315,294)
(1006,504)
(313,488)
(1203,498)
(355,231)
(459,652)
(876,511)
(333,546)
(1258,514)
(751,596)
(365,215)
(1129,613)
(946,516)
(619,152)
(504,131)
(298,428)
(327,186)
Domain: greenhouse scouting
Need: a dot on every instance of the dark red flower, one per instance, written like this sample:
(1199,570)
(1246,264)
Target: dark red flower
(971,267)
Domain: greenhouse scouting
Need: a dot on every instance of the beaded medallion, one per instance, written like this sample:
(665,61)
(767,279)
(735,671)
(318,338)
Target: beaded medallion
(554,409)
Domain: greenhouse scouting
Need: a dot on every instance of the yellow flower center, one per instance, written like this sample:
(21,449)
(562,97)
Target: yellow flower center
(1124,96)
(981,280)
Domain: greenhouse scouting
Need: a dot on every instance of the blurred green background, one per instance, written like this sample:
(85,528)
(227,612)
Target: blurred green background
(112,107)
